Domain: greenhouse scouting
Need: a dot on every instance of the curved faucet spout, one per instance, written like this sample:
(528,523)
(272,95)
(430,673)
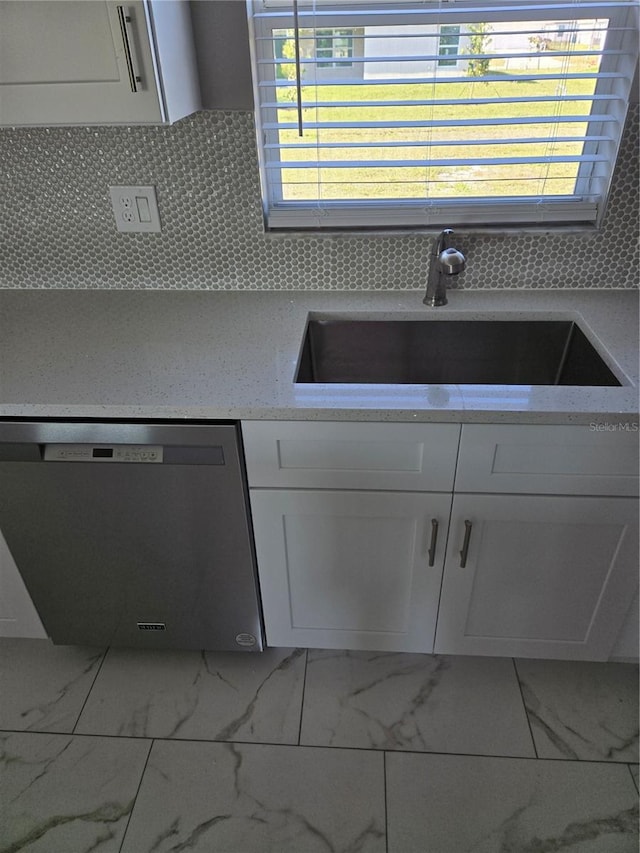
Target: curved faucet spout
(442,242)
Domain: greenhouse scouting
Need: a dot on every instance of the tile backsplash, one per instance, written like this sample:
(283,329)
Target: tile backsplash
(57,228)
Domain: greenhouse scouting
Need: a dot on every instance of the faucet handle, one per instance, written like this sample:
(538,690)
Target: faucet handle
(451,261)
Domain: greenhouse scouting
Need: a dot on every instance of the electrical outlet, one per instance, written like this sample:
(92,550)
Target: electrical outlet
(135,208)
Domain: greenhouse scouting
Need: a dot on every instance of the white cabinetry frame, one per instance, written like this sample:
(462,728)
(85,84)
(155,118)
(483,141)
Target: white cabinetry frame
(350,525)
(94,62)
(552,564)
(344,512)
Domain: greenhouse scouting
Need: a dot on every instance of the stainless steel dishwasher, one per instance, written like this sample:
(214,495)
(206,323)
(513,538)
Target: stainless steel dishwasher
(132,534)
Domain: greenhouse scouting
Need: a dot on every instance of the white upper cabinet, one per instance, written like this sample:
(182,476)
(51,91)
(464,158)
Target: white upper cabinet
(91,62)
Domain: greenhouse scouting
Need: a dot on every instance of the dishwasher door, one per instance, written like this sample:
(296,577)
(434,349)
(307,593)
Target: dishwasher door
(132,534)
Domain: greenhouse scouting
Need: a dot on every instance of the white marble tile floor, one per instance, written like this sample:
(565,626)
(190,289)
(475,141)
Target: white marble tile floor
(256,697)
(43,687)
(425,703)
(123,751)
(508,805)
(581,712)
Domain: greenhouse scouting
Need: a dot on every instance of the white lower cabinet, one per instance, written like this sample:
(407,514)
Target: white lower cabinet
(350,569)
(343,521)
(544,576)
(18,616)
(627,647)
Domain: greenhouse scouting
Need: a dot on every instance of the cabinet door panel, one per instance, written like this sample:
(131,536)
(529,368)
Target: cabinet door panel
(545,576)
(64,63)
(368,559)
(76,52)
(349,569)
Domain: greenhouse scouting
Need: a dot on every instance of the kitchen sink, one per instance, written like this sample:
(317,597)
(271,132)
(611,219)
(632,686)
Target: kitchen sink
(456,352)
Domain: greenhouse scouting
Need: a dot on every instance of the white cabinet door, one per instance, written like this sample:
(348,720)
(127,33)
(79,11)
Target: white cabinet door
(350,570)
(18,616)
(545,576)
(76,62)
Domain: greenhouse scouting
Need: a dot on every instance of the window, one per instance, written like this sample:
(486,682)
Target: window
(449,42)
(441,112)
(334,45)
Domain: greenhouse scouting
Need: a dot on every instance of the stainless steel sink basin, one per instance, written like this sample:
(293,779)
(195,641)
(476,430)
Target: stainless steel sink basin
(456,352)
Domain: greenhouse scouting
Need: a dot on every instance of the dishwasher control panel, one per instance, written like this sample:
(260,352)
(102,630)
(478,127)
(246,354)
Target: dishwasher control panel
(102,453)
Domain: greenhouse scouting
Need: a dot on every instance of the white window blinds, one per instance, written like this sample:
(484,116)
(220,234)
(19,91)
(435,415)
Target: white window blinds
(439,113)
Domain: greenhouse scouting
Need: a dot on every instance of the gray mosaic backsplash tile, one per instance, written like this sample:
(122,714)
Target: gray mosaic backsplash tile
(57,228)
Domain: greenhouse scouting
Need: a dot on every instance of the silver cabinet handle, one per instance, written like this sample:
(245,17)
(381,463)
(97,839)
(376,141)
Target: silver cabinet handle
(465,545)
(434,539)
(125,20)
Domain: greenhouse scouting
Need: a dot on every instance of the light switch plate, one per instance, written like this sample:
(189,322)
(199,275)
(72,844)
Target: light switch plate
(135,208)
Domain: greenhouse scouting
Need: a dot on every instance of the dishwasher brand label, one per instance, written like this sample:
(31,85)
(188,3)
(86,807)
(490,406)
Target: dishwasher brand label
(151,626)
(245,639)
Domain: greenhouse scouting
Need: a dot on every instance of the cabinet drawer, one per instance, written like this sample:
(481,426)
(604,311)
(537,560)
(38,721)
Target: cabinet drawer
(576,460)
(406,457)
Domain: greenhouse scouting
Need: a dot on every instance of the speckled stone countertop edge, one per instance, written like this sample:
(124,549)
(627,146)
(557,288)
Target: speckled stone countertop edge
(232,356)
(597,420)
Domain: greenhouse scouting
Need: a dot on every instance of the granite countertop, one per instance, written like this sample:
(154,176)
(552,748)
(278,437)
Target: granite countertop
(232,355)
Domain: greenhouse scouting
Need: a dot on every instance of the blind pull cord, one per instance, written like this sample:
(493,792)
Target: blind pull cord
(296,31)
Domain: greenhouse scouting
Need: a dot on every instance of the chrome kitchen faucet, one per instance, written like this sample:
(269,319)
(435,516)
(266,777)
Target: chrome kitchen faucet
(445,261)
